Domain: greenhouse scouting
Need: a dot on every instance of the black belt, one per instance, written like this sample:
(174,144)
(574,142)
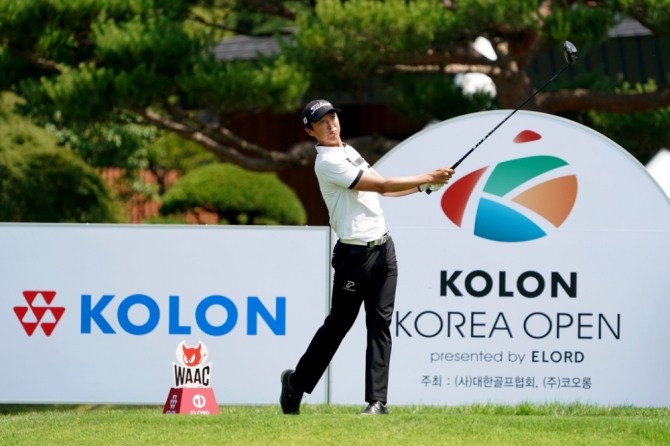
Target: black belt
(380,241)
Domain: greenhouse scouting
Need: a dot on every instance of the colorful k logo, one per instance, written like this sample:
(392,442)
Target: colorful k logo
(507,209)
(35,315)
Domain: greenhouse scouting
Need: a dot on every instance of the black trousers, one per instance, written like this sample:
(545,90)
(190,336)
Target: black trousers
(362,276)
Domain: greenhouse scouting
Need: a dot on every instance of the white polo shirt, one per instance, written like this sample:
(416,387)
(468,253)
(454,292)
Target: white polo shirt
(353,215)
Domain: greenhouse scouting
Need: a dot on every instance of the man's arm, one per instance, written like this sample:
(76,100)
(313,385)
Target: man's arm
(372,181)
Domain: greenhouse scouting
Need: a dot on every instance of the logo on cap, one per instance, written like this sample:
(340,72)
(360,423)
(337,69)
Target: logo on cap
(311,111)
(320,104)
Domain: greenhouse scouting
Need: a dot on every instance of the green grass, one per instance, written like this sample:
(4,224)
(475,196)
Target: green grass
(525,424)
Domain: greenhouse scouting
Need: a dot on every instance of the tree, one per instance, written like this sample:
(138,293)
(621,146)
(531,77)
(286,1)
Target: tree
(40,182)
(235,195)
(80,61)
(84,61)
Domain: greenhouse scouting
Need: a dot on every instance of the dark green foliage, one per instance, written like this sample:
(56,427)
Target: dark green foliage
(236,195)
(81,64)
(51,185)
(240,87)
(344,45)
(172,153)
(116,143)
(95,58)
(580,23)
(654,14)
(640,133)
(434,97)
(41,182)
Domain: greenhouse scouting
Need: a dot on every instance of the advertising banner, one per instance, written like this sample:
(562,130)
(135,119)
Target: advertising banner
(92,313)
(538,274)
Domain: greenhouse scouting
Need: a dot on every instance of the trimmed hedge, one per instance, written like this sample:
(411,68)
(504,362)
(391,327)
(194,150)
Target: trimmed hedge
(237,196)
(41,182)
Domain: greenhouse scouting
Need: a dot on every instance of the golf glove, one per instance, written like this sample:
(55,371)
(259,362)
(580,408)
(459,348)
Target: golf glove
(430,188)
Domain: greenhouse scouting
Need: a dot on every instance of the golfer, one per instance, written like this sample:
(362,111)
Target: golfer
(364,260)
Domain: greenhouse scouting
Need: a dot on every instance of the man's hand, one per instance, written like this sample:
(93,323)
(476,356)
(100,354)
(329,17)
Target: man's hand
(440,177)
(430,188)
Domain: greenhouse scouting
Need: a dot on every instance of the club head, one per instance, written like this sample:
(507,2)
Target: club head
(570,52)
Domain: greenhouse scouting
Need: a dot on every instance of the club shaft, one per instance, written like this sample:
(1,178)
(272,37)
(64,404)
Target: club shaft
(456,164)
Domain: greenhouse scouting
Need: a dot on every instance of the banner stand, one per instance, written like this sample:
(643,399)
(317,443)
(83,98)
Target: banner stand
(191,401)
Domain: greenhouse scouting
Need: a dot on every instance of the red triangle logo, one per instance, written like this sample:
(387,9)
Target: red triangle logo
(58,313)
(29,327)
(39,312)
(48,296)
(20,312)
(30,296)
(48,327)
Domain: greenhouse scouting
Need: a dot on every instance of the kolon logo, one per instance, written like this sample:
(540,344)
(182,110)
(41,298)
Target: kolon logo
(39,312)
(518,199)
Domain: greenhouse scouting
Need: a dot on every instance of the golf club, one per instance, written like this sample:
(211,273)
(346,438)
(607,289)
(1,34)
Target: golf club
(570,53)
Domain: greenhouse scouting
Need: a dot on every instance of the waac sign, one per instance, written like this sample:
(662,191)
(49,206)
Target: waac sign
(191,393)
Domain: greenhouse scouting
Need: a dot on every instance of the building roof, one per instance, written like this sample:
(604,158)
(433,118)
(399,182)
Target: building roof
(629,28)
(246,47)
